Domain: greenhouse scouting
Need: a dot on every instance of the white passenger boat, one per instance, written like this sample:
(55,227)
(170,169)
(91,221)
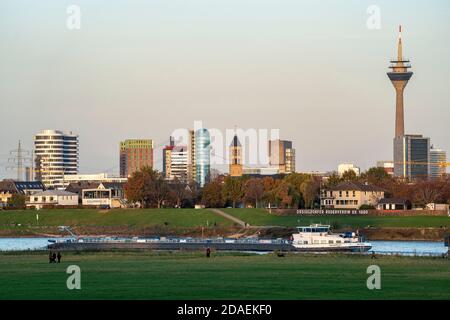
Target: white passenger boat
(319,238)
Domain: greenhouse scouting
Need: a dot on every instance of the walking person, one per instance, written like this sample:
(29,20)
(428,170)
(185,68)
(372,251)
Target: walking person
(50,257)
(59,257)
(208,252)
(54,257)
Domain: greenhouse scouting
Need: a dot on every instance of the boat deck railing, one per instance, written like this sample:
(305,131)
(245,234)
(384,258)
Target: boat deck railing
(179,240)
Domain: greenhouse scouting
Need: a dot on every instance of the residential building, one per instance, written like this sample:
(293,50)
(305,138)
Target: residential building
(393,204)
(56,155)
(412,157)
(344,167)
(282,155)
(236,169)
(388,166)
(202,156)
(8,187)
(110,195)
(58,198)
(134,155)
(351,195)
(117,188)
(28,187)
(78,187)
(438,160)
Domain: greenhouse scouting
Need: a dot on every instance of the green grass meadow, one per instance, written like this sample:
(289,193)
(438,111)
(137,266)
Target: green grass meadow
(185,218)
(116,217)
(261,217)
(189,275)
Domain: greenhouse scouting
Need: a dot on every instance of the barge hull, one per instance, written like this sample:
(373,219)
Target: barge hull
(257,247)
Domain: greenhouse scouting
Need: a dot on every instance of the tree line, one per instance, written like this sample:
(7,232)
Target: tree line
(296,190)
(149,189)
(419,192)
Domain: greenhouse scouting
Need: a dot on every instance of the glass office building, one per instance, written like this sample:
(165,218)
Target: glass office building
(202,156)
(438,159)
(412,157)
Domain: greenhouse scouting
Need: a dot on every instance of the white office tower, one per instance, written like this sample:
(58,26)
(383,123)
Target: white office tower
(438,160)
(179,163)
(56,155)
(344,167)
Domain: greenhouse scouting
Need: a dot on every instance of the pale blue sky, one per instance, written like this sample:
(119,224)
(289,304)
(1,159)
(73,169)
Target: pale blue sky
(144,68)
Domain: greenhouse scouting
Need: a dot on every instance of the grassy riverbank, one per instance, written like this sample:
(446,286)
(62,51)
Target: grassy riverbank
(117,221)
(261,217)
(191,222)
(166,275)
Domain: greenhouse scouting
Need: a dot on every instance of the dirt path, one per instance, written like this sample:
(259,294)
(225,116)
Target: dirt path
(239,221)
(230,217)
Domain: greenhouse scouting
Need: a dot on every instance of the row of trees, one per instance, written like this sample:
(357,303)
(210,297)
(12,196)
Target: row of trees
(419,192)
(294,190)
(149,188)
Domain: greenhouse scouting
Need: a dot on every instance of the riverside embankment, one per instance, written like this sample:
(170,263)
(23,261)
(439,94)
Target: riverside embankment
(209,223)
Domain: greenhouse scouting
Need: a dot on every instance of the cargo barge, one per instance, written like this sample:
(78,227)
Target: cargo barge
(314,238)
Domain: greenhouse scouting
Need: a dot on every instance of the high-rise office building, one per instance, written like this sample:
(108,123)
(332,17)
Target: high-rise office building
(412,157)
(56,155)
(175,162)
(179,163)
(388,166)
(191,156)
(29,176)
(282,156)
(344,167)
(134,155)
(202,156)
(438,160)
(236,169)
(166,158)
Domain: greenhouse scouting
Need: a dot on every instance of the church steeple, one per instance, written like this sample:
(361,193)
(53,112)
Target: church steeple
(235,142)
(235,157)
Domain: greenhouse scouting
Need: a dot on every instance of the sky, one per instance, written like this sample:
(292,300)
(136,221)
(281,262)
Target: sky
(141,69)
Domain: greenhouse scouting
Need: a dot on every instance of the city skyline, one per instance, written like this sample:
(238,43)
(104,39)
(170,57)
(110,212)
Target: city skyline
(284,70)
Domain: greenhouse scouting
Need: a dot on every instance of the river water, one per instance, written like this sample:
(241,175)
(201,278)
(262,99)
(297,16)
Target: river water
(420,248)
